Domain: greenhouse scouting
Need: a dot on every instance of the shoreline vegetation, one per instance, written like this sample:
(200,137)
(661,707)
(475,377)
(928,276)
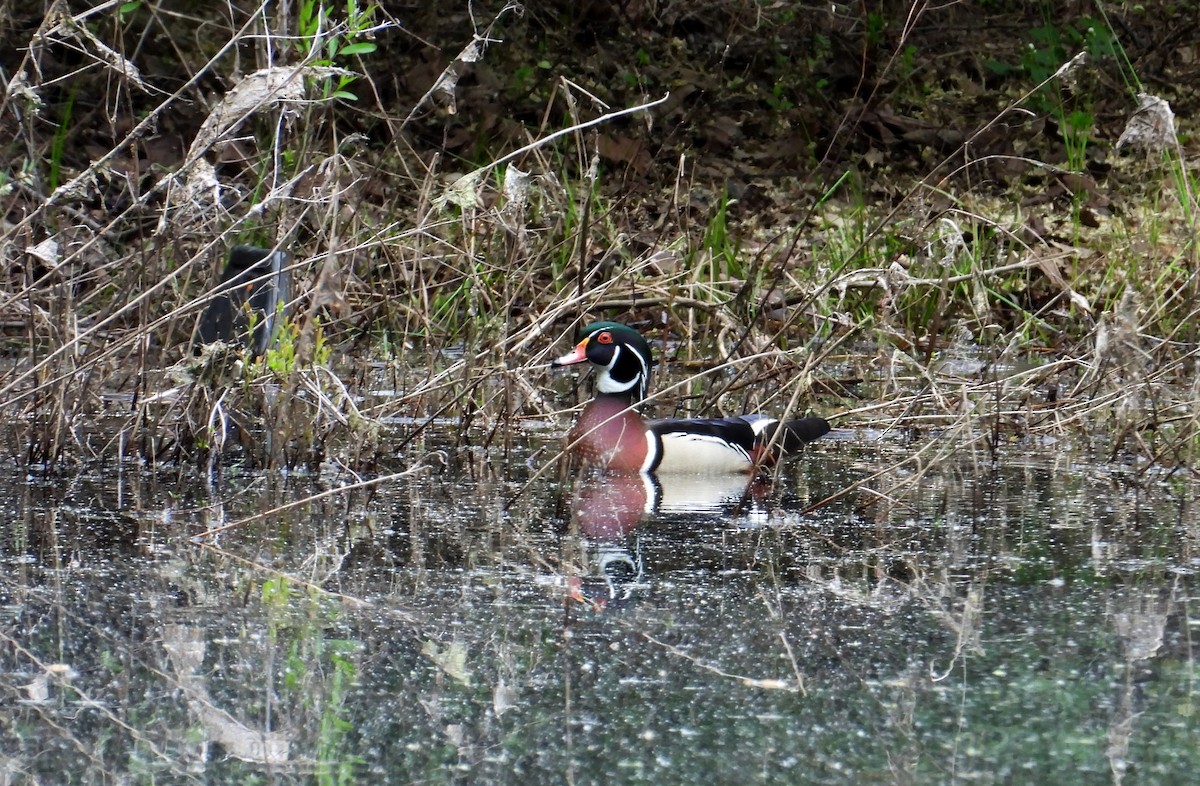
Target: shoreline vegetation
(964,233)
(822,211)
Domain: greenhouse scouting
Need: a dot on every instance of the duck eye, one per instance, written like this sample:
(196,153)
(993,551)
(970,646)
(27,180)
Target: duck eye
(604,338)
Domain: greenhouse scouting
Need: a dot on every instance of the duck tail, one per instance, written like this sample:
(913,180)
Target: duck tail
(794,434)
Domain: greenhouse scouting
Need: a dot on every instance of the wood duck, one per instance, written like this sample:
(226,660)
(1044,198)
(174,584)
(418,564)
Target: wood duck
(612,435)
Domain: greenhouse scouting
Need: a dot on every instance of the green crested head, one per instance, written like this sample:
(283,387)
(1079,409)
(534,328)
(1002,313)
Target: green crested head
(621,356)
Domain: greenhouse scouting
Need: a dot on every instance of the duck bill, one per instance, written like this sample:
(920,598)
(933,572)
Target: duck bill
(579,355)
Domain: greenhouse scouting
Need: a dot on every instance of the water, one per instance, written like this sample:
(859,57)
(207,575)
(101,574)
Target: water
(954,623)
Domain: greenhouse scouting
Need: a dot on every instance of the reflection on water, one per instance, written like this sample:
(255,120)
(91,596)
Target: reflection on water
(1019,625)
(607,510)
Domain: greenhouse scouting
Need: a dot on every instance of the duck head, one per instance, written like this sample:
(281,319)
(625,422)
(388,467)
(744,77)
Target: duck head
(621,357)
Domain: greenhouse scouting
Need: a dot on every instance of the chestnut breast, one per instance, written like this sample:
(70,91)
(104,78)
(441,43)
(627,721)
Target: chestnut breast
(611,435)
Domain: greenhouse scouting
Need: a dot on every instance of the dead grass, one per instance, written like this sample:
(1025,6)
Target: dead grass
(948,309)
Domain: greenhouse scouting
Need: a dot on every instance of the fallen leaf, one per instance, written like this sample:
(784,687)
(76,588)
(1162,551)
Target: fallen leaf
(452,659)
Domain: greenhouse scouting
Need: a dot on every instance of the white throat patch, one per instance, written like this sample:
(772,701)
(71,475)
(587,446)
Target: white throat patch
(606,384)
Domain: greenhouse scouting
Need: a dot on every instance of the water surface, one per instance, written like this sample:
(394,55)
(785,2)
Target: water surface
(1028,622)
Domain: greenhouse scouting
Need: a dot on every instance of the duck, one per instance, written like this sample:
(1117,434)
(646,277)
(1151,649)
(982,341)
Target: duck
(611,434)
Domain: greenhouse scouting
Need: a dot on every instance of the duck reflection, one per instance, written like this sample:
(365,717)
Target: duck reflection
(608,510)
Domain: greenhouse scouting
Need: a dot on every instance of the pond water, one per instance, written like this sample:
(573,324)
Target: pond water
(1028,622)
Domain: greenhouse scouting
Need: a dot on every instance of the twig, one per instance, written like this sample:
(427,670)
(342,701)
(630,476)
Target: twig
(753,682)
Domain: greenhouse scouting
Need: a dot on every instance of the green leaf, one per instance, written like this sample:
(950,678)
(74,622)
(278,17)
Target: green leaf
(361,48)
(998,67)
(307,26)
(345,95)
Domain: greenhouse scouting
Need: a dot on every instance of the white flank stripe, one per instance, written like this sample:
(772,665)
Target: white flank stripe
(701,454)
(651,451)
